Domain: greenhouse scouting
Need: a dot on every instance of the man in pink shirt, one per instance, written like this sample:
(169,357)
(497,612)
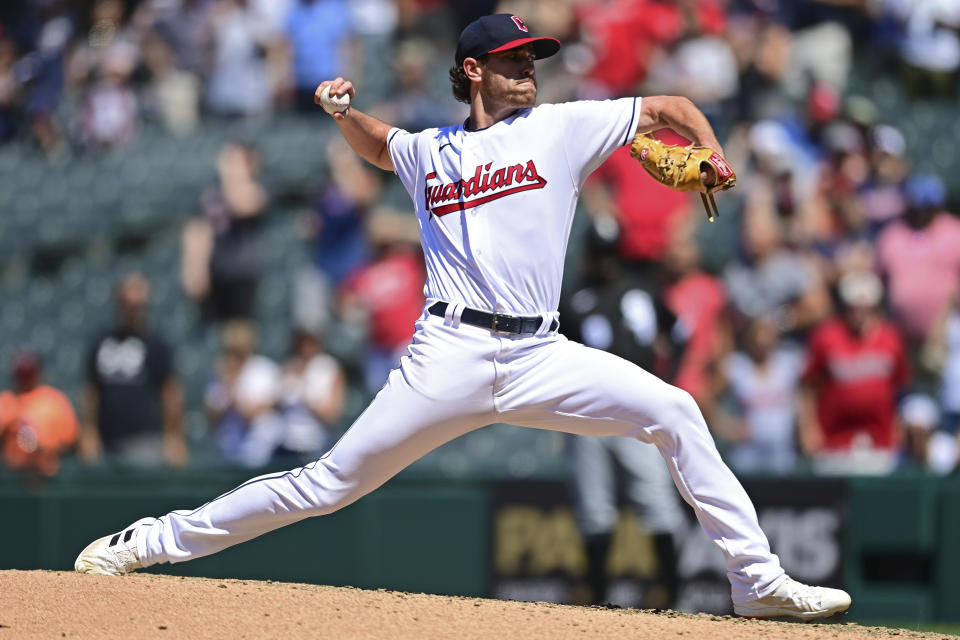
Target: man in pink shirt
(919,256)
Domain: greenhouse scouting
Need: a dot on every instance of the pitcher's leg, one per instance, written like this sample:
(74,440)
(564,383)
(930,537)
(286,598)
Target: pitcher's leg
(399,427)
(581,390)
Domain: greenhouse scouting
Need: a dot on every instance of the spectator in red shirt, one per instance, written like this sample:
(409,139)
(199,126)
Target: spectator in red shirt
(700,301)
(626,35)
(386,295)
(857,367)
(646,211)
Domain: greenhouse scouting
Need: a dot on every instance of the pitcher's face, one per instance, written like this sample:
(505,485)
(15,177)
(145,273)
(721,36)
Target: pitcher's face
(509,77)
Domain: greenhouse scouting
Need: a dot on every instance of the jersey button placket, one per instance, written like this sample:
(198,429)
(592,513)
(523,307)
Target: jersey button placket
(474,221)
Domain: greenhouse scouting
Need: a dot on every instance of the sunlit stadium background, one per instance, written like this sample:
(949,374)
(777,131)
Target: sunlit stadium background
(113,114)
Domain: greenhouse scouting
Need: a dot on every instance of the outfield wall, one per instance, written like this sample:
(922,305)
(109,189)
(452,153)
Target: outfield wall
(892,542)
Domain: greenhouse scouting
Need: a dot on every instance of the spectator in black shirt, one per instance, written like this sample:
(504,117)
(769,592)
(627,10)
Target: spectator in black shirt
(221,246)
(133,403)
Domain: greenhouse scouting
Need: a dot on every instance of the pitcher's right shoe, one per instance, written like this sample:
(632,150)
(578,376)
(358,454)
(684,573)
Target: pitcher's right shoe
(113,555)
(796,600)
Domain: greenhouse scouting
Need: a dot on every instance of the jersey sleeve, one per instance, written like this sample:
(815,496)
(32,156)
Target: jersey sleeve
(402,146)
(593,129)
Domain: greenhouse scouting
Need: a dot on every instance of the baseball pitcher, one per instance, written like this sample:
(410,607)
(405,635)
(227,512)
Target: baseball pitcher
(495,197)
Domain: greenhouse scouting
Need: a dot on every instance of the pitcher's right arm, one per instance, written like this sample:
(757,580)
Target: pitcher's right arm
(365,134)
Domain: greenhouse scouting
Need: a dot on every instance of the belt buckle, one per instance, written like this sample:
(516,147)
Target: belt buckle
(495,326)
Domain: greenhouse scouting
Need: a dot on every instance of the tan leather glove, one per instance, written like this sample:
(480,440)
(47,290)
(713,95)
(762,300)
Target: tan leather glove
(681,168)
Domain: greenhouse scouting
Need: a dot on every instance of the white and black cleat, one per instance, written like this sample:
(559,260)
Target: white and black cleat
(793,599)
(113,555)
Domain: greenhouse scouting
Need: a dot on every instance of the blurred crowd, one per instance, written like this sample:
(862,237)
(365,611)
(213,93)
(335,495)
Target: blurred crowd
(817,323)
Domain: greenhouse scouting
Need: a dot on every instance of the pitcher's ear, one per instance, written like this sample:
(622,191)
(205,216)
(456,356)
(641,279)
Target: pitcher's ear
(472,68)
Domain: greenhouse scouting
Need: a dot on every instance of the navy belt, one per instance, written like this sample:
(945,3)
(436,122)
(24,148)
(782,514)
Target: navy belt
(495,321)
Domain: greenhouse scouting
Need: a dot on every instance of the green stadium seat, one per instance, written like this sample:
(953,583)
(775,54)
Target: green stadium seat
(40,294)
(887,95)
(13,320)
(69,360)
(43,336)
(72,316)
(98,289)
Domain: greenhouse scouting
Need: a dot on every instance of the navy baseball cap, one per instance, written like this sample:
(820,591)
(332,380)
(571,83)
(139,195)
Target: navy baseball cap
(500,32)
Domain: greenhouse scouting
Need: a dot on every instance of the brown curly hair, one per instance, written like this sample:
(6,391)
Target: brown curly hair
(460,81)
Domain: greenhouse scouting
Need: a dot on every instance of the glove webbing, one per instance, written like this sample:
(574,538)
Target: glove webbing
(666,165)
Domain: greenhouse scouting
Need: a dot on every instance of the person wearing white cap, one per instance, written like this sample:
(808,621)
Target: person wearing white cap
(926,446)
(882,197)
(941,354)
(919,416)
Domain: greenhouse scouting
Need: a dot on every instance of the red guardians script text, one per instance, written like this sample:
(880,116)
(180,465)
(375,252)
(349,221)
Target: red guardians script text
(485,186)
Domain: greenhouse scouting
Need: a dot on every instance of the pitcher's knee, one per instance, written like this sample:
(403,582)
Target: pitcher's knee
(327,491)
(679,411)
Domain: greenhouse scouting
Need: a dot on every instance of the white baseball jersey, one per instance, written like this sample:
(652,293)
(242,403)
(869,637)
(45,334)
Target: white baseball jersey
(482,196)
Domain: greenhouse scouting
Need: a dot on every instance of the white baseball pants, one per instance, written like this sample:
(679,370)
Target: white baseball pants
(458,378)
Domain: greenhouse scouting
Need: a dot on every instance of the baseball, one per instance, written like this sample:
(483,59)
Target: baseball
(333,104)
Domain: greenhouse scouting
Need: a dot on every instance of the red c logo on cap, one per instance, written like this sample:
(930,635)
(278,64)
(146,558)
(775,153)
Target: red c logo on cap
(517,21)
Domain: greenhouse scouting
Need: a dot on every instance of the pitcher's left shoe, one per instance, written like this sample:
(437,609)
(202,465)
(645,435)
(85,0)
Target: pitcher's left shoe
(113,555)
(796,600)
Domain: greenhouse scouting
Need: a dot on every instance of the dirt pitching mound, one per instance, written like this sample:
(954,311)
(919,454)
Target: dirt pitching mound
(46,604)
